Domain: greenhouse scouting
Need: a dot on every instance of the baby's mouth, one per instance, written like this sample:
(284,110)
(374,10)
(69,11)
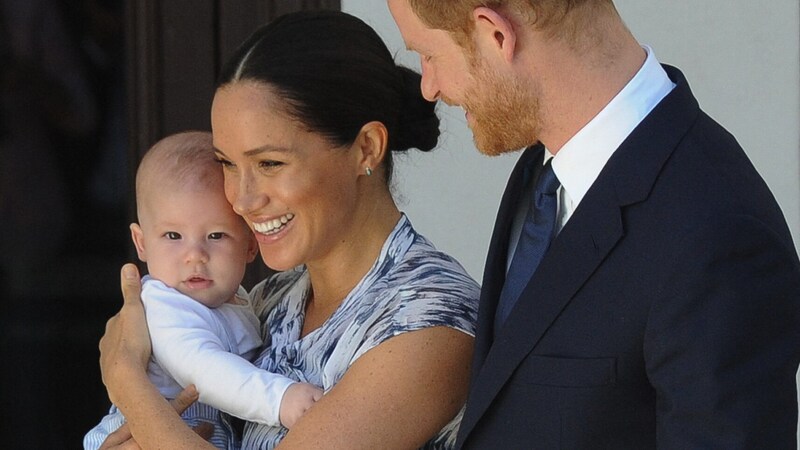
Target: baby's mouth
(198,282)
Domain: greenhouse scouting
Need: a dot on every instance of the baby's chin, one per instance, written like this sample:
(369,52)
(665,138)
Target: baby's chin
(207,299)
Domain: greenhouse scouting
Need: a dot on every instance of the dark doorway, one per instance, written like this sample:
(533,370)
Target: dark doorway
(87,87)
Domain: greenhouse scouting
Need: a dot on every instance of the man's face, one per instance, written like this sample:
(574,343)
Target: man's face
(445,70)
(502,113)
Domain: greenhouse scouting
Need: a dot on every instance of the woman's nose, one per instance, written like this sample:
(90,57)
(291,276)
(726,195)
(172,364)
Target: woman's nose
(245,197)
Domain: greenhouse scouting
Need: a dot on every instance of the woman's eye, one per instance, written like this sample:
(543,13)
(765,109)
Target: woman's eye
(224,162)
(173,236)
(216,236)
(269,164)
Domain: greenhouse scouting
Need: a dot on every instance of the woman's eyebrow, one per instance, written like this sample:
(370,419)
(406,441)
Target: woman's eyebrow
(258,150)
(265,149)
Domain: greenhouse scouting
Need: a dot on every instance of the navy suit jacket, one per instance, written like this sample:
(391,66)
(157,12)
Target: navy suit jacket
(666,313)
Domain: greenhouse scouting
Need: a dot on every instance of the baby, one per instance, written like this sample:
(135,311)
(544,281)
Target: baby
(202,325)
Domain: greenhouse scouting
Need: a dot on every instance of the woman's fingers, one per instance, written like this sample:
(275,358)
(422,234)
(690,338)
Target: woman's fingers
(126,342)
(131,285)
(185,399)
(205,430)
(120,440)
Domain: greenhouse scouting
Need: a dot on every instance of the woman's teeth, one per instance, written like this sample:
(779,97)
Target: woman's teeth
(274,225)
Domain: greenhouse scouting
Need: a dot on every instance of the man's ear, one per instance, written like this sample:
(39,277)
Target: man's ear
(371,145)
(138,241)
(496,29)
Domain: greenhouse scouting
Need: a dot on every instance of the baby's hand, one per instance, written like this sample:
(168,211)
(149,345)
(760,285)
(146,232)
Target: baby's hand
(296,400)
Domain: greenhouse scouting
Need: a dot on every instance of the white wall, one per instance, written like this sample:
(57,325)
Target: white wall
(741,58)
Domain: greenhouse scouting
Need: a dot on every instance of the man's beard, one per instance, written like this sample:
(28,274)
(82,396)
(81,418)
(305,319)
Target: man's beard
(505,114)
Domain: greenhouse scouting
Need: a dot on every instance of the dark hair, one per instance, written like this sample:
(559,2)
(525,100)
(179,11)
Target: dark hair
(336,74)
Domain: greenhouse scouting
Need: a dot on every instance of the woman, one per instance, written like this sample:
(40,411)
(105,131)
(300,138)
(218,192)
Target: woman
(305,119)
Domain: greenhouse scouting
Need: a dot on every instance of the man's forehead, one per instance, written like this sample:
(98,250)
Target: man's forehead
(405,17)
(416,35)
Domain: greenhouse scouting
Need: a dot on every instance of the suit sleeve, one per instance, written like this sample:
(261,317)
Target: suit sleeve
(187,345)
(722,340)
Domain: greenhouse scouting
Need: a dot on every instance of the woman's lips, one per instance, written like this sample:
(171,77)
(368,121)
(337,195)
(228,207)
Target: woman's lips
(273,226)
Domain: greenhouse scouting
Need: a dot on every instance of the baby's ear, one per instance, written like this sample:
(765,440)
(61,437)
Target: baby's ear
(252,247)
(137,235)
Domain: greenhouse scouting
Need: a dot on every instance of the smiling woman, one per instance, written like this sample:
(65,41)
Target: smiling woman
(304,125)
(276,170)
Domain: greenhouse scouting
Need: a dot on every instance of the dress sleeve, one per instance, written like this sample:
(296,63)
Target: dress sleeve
(444,297)
(187,344)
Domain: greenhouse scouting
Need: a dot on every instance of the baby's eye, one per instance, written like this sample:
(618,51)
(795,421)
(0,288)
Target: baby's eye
(172,235)
(216,236)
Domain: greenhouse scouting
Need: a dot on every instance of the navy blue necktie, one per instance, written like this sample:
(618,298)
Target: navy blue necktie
(534,240)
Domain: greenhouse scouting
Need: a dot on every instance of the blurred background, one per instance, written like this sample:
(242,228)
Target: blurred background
(64,193)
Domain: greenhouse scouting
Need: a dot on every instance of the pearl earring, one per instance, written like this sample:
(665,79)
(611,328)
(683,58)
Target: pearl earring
(369,172)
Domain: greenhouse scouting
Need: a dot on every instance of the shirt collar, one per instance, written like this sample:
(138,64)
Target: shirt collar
(579,162)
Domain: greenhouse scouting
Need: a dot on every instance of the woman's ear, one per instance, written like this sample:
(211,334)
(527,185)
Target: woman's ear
(137,235)
(496,31)
(371,147)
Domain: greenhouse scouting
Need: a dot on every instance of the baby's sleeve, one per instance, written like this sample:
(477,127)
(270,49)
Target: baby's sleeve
(188,344)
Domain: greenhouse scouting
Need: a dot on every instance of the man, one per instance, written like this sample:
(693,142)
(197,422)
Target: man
(665,310)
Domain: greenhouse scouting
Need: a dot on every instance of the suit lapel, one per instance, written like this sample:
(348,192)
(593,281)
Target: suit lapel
(588,237)
(495,266)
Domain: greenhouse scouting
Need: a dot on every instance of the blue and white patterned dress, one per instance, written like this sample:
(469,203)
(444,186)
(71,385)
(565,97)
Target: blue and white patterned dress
(411,286)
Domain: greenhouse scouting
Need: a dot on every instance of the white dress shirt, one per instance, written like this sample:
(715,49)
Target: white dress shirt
(580,161)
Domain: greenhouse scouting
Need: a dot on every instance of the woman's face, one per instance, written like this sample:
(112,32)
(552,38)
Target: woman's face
(296,192)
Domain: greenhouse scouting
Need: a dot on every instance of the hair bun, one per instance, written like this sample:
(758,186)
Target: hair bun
(418,124)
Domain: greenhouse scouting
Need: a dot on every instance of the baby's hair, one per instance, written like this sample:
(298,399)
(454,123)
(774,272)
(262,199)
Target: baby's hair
(179,161)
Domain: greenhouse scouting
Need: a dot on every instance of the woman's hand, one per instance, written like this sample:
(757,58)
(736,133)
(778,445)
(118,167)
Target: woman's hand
(124,353)
(122,439)
(125,346)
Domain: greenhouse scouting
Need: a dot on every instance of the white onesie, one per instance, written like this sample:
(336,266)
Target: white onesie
(210,348)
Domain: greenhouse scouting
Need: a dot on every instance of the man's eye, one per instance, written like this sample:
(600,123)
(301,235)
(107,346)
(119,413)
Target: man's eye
(216,236)
(173,236)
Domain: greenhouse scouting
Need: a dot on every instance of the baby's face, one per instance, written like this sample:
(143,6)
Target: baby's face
(194,242)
